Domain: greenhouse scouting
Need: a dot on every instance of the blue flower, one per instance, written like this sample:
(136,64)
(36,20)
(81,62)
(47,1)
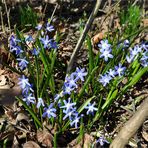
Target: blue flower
(120,70)
(22,63)
(49,28)
(53,44)
(134,52)
(112,73)
(29,99)
(68,105)
(27,90)
(70,114)
(102,141)
(25,85)
(40,103)
(129,58)
(50,111)
(126,43)
(71,81)
(56,97)
(29,38)
(106,54)
(13,41)
(144,46)
(90,108)
(105,79)
(80,74)
(35,51)
(16,49)
(67,89)
(144,59)
(24,82)
(45,41)
(75,121)
(39,27)
(104,45)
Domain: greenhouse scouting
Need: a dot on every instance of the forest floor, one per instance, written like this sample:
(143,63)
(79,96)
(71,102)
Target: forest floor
(67,20)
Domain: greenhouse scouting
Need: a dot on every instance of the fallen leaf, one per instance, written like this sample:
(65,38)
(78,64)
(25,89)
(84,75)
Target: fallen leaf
(31,144)
(145,135)
(98,37)
(86,142)
(45,138)
(145,130)
(22,116)
(145,22)
(2,81)
(1,71)
(15,143)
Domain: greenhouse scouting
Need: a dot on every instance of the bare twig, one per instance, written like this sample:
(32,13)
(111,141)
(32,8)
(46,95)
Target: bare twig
(44,11)
(135,2)
(2,22)
(83,35)
(131,126)
(54,11)
(7,13)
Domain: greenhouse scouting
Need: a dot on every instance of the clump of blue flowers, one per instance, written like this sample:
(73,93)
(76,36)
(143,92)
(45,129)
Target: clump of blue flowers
(85,94)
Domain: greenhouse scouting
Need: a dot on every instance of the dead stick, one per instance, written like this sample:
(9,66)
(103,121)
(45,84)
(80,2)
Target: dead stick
(131,126)
(82,37)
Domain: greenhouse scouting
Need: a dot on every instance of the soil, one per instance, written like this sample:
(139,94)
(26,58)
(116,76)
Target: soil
(66,20)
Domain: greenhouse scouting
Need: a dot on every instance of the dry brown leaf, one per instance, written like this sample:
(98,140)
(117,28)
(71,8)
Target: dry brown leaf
(15,143)
(98,37)
(31,144)
(10,113)
(117,24)
(145,135)
(45,138)
(145,22)
(22,116)
(1,71)
(145,130)
(2,81)
(86,142)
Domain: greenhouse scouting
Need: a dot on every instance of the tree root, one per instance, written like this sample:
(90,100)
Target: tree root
(131,126)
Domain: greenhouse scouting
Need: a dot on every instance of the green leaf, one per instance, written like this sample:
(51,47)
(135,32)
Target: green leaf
(85,104)
(90,53)
(109,100)
(136,78)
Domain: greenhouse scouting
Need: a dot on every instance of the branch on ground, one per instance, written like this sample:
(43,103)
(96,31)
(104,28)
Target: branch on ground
(83,35)
(132,125)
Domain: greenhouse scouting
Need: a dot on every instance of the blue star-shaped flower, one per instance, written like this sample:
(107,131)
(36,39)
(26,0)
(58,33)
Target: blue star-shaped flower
(75,121)
(39,27)
(104,45)
(29,99)
(105,79)
(68,105)
(22,63)
(49,27)
(102,141)
(40,103)
(50,111)
(45,41)
(106,53)
(90,108)
(80,73)
(16,49)
(120,70)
